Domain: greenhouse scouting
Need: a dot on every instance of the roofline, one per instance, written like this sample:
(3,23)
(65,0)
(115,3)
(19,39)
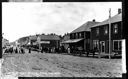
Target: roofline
(104,24)
(106,20)
(81,31)
(82,25)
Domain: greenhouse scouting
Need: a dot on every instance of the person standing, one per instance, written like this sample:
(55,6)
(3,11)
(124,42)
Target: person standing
(68,50)
(22,50)
(29,50)
(41,49)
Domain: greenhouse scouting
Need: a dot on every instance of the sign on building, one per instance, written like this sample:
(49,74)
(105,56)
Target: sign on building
(45,42)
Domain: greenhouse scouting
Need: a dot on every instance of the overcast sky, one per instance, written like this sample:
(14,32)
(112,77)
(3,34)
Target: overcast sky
(23,19)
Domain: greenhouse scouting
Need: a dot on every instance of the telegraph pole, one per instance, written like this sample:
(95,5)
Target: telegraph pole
(109,34)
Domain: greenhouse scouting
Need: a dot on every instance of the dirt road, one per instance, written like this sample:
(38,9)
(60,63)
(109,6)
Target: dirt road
(58,65)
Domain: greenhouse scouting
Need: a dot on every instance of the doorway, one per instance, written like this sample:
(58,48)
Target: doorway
(102,46)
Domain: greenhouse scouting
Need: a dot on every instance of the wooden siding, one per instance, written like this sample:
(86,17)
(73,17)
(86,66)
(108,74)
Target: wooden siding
(105,37)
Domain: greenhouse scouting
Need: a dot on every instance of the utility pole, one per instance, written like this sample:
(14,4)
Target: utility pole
(109,34)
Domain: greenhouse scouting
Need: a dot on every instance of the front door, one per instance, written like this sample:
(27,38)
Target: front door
(102,46)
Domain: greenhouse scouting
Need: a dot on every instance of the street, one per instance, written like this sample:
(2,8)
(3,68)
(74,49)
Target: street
(59,65)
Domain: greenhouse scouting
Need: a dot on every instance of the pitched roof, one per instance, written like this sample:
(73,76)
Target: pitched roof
(45,37)
(85,27)
(34,37)
(113,19)
(66,37)
(49,37)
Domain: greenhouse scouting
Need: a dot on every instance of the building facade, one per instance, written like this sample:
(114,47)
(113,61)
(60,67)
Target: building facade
(80,37)
(100,35)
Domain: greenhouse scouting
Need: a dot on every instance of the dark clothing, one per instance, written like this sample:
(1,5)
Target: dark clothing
(29,50)
(42,50)
(22,50)
(16,51)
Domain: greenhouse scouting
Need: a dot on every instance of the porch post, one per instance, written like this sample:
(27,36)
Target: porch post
(99,49)
(123,52)
(85,41)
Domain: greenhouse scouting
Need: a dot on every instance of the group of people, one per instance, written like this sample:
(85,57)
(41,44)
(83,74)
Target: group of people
(51,49)
(14,49)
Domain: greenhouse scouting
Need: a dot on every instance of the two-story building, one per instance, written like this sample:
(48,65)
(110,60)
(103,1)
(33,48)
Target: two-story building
(100,35)
(80,37)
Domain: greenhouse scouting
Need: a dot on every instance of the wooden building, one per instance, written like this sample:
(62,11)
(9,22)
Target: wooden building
(80,37)
(47,41)
(100,35)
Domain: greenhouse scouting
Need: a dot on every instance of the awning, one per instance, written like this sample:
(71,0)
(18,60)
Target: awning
(72,41)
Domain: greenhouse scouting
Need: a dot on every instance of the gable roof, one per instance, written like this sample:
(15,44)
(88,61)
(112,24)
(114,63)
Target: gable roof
(45,37)
(116,18)
(85,27)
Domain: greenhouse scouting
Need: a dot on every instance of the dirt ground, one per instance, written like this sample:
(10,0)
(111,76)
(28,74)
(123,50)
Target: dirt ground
(58,65)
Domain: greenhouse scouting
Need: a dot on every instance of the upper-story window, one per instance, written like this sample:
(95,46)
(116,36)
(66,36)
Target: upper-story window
(97,31)
(76,35)
(115,28)
(105,30)
(79,35)
(82,35)
(72,36)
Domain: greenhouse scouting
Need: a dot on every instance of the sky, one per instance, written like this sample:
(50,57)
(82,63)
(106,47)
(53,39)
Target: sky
(24,19)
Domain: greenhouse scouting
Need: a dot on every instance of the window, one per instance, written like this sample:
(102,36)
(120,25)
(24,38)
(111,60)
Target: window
(105,29)
(116,44)
(95,44)
(72,36)
(115,29)
(80,35)
(97,31)
(76,35)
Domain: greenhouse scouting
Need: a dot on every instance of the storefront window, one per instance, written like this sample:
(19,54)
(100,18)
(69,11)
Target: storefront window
(116,45)
(95,44)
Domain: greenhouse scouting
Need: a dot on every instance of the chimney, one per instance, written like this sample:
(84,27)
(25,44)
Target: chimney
(119,11)
(93,20)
